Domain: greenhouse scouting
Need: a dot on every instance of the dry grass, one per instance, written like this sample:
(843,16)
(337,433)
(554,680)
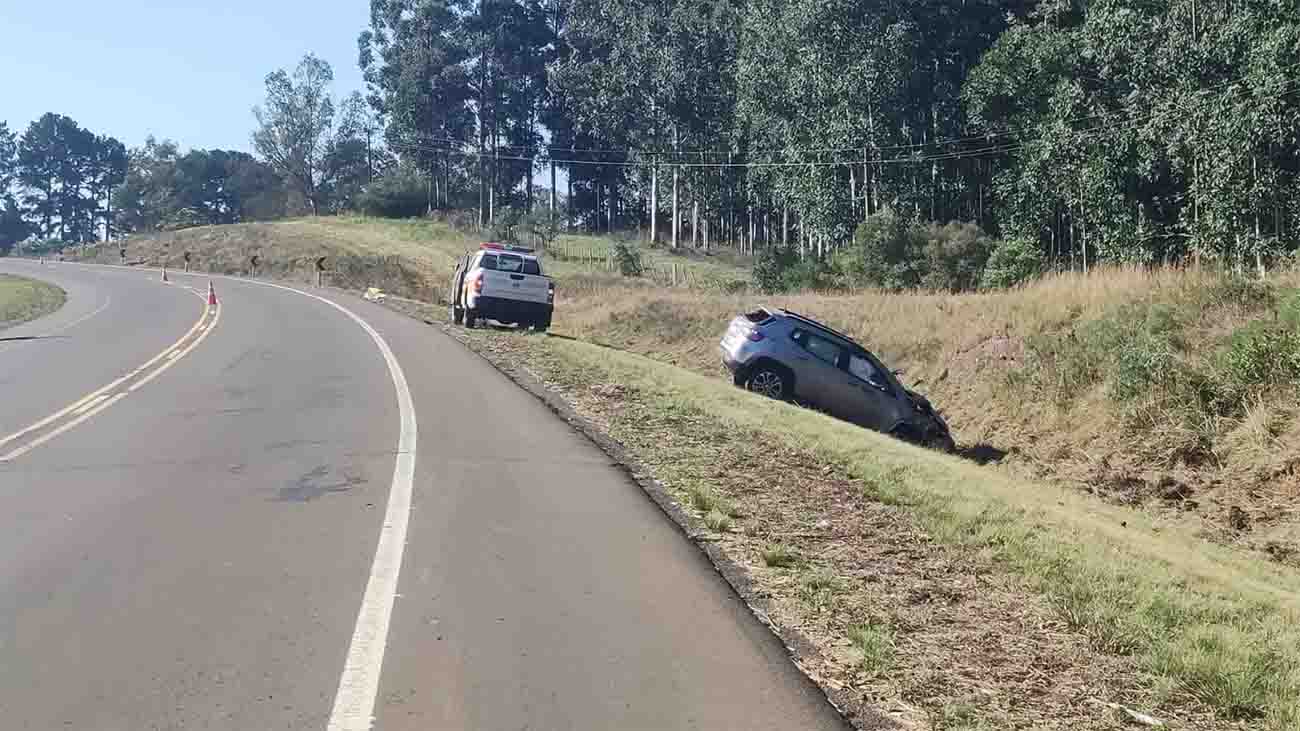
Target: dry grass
(412,258)
(23,299)
(999,603)
(977,356)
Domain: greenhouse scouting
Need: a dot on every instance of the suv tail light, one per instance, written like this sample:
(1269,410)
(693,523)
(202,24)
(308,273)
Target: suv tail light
(478,283)
(550,292)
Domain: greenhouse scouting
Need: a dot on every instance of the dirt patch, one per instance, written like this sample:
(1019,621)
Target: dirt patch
(1000,352)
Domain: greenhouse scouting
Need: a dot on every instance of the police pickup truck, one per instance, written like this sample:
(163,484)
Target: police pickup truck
(503,283)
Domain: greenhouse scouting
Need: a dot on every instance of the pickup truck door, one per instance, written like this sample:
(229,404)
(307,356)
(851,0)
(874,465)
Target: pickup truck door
(458,281)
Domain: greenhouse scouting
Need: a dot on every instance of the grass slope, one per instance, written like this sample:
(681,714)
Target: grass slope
(23,299)
(1170,390)
(1149,614)
(412,258)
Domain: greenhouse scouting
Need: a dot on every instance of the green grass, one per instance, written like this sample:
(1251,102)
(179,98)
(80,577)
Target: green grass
(1203,618)
(780,556)
(876,643)
(718,521)
(702,499)
(23,299)
(410,257)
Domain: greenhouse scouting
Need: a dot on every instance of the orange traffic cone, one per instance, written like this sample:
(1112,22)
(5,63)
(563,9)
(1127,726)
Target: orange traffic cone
(212,295)
(165,280)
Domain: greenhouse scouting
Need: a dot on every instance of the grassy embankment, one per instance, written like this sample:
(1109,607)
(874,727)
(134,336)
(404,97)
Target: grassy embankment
(411,258)
(956,595)
(23,299)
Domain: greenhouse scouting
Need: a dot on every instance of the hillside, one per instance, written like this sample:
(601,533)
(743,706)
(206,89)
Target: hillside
(412,258)
(1172,390)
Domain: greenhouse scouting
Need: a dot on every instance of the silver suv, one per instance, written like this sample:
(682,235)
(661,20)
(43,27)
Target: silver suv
(786,356)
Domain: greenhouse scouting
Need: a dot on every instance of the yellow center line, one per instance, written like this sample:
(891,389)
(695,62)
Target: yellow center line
(82,401)
(100,399)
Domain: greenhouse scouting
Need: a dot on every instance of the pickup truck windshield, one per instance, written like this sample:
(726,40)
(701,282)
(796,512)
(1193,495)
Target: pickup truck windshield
(513,264)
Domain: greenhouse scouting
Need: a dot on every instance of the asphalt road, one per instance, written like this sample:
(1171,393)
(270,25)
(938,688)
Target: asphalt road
(212,541)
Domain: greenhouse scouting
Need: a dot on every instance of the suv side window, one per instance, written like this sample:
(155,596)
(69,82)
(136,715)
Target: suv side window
(489,261)
(862,368)
(824,349)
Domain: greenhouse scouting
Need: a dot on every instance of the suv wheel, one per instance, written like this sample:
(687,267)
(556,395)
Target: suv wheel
(457,315)
(941,443)
(769,381)
(470,318)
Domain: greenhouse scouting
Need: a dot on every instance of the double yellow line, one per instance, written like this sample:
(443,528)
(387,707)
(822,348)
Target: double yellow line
(100,399)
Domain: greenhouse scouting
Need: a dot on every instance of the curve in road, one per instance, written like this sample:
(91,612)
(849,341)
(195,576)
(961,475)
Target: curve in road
(195,556)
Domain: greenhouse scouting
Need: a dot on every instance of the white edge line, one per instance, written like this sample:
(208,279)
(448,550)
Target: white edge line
(107,301)
(354,702)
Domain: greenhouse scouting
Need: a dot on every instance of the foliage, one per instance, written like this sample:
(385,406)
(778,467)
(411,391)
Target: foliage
(1261,354)
(1013,261)
(627,258)
(894,253)
(66,174)
(770,267)
(164,189)
(13,226)
(399,193)
(297,136)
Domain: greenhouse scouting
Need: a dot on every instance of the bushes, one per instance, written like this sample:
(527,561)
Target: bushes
(890,252)
(1139,354)
(400,193)
(627,257)
(893,253)
(1259,355)
(1013,261)
(770,267)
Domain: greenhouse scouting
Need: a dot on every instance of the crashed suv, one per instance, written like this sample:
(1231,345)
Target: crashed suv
(784,355)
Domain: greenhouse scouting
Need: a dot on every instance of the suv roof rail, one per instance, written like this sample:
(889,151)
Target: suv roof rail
(810,321)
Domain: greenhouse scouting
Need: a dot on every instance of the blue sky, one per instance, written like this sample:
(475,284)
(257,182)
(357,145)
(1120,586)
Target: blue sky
(184,70)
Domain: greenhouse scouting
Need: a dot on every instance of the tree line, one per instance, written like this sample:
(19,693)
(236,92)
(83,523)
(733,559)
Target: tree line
(62,184)
(1111,130)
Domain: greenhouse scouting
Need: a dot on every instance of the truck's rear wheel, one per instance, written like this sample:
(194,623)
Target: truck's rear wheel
(542,325)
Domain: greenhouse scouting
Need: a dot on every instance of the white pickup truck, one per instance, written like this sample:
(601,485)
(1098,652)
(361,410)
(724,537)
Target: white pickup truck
(503,283)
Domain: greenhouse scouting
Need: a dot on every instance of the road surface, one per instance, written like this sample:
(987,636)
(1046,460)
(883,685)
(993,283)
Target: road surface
(209,537)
